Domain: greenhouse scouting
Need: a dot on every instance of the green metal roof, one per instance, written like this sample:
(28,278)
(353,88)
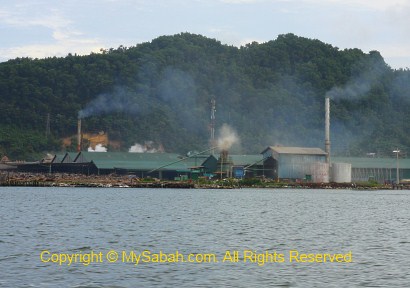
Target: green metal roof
(363,162)
(295,150)
(244,160)
(139,161)
(68,157)
(58,158)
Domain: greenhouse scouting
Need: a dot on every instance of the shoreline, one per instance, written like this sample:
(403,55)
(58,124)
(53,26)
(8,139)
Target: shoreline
(115,181)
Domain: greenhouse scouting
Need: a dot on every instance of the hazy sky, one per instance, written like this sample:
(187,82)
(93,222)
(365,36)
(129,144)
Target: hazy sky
(43,28)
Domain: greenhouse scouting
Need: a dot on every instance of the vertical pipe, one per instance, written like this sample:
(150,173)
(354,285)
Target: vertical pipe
(397,151)
(79,135)
(397,167)
(327,130)
(327,136)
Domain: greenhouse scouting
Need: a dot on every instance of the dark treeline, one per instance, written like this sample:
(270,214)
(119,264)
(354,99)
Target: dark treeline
(271,94)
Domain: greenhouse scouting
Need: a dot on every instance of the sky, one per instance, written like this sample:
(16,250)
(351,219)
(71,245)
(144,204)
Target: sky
(47,28)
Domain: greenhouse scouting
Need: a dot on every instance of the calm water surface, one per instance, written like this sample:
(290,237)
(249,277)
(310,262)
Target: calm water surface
(373,225)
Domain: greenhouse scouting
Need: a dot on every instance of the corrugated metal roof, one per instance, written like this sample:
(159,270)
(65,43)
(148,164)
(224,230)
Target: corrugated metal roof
(296,150)
(243,160)
(58,158)
(140,161)
(69,157)
(363,162)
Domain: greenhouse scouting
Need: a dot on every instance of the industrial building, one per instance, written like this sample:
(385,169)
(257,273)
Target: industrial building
(296,163)
(309,164)
(382,170)
(275,162)
(159,165)
(236,166)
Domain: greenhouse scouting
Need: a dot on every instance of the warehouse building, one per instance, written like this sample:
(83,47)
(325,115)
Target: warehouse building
(158,165)
(296,164)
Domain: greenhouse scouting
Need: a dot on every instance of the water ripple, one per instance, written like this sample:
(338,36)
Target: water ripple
(374,225)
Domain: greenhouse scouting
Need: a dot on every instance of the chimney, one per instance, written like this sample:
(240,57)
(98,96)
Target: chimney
(79,135)
(224,163)
(327,130)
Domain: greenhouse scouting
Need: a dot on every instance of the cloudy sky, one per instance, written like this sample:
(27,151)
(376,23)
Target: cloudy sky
(43,28)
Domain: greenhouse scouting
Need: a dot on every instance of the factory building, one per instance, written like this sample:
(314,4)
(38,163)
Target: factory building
(275,162)
(58,163)
(295,164)
(158,165)
(382,170)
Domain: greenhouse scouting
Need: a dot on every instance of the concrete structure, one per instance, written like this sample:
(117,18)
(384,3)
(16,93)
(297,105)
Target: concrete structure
(341,172)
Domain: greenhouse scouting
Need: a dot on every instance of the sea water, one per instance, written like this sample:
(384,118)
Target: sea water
(92,237)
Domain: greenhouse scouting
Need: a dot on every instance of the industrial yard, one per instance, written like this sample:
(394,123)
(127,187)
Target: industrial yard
(276,166)
(127,181)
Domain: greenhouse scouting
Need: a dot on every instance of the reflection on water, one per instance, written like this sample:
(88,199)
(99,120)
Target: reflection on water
(373,225)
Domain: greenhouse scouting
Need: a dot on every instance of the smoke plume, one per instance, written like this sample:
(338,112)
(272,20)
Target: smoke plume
(359,85)
(98,148)
(148,147)
(179,91)
(120,100)
(227,137)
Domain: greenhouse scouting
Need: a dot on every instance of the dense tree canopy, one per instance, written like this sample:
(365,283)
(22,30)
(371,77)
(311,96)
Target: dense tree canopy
(270,93)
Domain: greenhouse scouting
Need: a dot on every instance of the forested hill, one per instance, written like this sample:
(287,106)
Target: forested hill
(270,93)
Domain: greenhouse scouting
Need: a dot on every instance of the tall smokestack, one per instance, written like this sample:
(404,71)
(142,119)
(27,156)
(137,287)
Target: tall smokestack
(79,135)
(212,140)
(327,130)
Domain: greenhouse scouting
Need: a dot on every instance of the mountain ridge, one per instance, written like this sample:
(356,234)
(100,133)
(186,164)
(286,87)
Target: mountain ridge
(160,91)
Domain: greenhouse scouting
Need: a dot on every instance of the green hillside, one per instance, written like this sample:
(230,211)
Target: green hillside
(270,93)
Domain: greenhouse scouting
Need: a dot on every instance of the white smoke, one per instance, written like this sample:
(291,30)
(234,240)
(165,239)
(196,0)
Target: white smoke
(227,137)
(137,148)
(361,84)
(119,100)
(148,147)
(98,148)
